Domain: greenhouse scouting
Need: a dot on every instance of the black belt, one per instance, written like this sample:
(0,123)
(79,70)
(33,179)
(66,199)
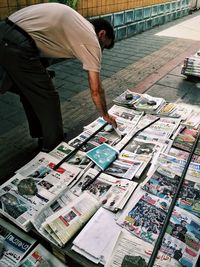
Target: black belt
(23,32)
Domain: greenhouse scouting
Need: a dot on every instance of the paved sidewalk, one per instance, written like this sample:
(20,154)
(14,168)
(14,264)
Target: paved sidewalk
(144,62)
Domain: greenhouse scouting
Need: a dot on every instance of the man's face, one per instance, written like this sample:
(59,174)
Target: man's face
(104,41)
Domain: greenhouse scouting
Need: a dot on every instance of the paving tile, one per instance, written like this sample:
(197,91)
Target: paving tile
(176,82)
(170,94)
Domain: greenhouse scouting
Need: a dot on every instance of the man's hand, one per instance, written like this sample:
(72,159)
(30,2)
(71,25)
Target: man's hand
(98,97)
(111,120)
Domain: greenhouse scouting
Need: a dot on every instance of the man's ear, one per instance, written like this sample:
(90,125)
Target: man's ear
(101,33)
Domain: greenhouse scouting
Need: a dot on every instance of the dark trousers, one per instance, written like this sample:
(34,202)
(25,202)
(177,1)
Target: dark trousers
(25,75)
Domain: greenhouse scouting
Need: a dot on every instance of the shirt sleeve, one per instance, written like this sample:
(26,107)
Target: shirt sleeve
(90,57)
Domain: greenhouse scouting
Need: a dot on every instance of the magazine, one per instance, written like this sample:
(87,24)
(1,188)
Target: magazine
(128,246)
(103,155)
(178,153)
(15,244)
(175,110)
(112,192)
(65,223)
(40,256)
(197,150)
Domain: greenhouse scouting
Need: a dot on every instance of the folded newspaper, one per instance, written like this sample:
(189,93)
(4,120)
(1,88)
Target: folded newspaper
(65,223)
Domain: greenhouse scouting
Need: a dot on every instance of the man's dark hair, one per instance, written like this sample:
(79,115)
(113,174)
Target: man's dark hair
(102,24)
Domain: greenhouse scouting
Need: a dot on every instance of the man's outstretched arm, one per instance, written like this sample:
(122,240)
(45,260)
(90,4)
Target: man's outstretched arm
(98,97)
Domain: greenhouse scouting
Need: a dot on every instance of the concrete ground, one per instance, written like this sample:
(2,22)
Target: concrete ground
(148,62)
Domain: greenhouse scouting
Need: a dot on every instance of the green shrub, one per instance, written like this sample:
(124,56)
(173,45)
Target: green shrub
(71,3)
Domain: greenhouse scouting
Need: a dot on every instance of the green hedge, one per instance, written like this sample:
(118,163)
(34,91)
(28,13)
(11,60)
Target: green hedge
(71,3)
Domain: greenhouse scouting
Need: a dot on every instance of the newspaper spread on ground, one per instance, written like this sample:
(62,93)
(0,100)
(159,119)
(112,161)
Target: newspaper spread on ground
(124,126)
(176,165)
(124,169)
(78,159)
(96,239)
(126,118)
(19,208)
(32,187)
(125,113)
(15,244)
(142,147)
(40,256)
(144,215)
(162,129)
(41,169)
(68,220)
(112,192)
(182,238)
(193,119)
(128,245)
(162,184)
(100,138)
(129,157)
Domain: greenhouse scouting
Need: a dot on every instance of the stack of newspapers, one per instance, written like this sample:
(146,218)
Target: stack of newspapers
(191,65)
(90,186)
